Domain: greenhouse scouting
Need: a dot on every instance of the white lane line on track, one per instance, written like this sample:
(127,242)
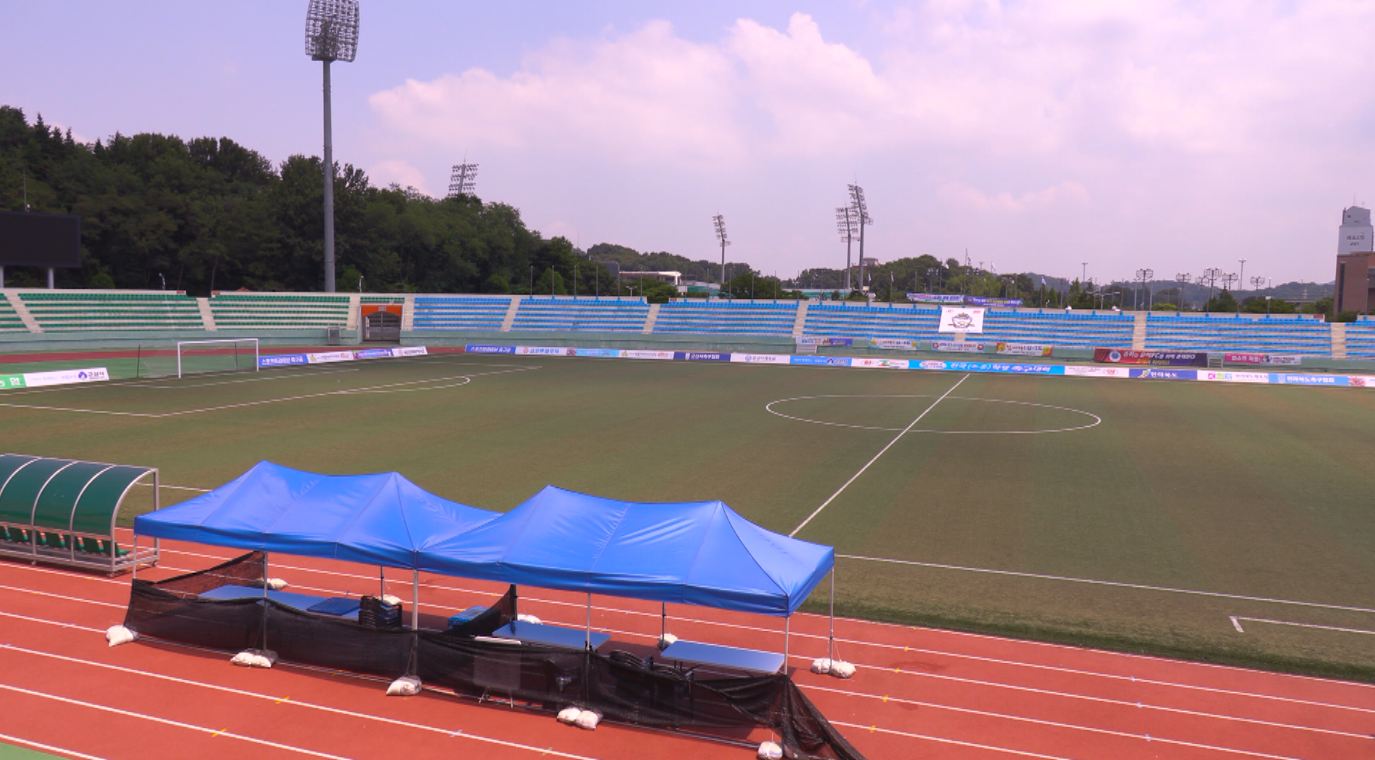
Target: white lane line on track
(168,722)
(1236,623)
(276,699)
(820,637)
(880,453)
(1056,724)
(957,679)
(48,747)
(1115,584)
(945,740)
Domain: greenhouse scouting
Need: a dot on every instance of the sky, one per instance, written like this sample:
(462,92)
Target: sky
(1034,135)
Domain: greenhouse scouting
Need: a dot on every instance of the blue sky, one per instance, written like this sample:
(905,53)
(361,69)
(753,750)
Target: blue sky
(1037,135)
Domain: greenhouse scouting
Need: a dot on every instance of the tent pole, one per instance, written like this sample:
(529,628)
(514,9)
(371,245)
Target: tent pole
(787,624)
(133,573)
(264,576)
(831,641)
(415,600)
(663,622)
(263,616)
(587,642)
(381,581)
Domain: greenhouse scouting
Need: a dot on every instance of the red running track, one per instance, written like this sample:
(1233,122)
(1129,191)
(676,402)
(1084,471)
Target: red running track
(917,693)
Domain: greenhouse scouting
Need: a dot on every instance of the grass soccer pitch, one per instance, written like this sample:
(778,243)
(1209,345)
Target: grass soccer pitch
(1221,522)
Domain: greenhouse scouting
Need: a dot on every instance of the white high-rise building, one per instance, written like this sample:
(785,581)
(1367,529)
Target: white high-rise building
(1356,234)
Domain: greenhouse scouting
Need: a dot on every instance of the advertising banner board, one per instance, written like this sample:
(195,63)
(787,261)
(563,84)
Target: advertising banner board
(1275,359)
(1154,373)
(1152,358)
(483,348)
(1024,349)
(958,347)
(961,319)
(894,344)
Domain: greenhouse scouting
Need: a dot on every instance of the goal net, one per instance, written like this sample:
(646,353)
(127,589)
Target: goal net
(195,357)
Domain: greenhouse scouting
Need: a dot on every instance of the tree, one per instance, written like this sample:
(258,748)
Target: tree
(1222,302)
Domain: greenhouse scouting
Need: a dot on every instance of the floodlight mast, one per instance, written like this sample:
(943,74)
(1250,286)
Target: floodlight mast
(331,35)
(463,179)
(719,222)
(860,209)
(845,225)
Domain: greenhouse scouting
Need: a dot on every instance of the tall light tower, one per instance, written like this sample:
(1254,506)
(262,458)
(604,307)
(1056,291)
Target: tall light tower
(1210,276)
(1183,279)
(1242,277)
(1143,275)
(331,35)
(719,222)
(463,179)
(848,226)
(860,209)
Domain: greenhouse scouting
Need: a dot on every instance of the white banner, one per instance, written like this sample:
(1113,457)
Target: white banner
(958,347)
(659,355)
(326,357)
(760,358)
(961,319)
(877,363)
(894,344)
(66,377)
(1209,376)
(544,351)
(409,351)
(1078,371)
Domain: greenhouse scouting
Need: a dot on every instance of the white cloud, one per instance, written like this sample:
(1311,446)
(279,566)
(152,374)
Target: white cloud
(392,171)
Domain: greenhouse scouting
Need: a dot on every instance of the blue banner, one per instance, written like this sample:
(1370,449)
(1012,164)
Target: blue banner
(1157,373)
(282,360)
(1284,378)
(821,361)
(603,353)
(482,348)
(700,356)
(373,353)
(1004,368)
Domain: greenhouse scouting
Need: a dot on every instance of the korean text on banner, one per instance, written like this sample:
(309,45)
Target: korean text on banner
(1152,358)
(1025,349)
(961,319)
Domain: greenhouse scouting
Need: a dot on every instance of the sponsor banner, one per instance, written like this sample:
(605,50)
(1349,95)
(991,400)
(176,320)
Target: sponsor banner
(1153,358)
(1361,381)
(961,319)
(934,298)
(1155,373)
(635,354)
(282,360)
(928,364)
(814,341)
(598,353)
(872,362)
(1211,376)
(894,344)
(401,351)
(544,351)
(759,358)
(980,301)
(327,357)
(11,381)
(1005,368)
(821,361)
(483,348)
(1076,371)
(1287,378)
(1024,349)
(373,353)
(1275,359)
(66,377)
(956,346)
(700,356)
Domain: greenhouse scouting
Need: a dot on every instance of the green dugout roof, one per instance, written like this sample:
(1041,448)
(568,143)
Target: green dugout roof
(64,494)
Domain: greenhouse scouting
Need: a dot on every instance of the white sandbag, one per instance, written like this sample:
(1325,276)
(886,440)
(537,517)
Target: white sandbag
(276,584)
(405,686)
(255,658)
(770,751)
(244,658)
(118,634)
(569,715)
(588,720)
(842,669)
(391,599)
(531,619)
(821,665)
(667,640)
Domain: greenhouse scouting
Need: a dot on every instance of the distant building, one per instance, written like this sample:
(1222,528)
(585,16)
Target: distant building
(1355,288)
(671,278)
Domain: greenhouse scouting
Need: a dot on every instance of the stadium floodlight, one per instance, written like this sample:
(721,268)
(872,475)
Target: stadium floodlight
(848,226)
(1143,275)
(1210,276)
(1183,278)
(1242,279)
(463,179)
(331,35)
(719,222)
(860,208)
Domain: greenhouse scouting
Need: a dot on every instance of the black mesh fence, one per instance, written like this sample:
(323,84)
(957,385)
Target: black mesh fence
(623,686)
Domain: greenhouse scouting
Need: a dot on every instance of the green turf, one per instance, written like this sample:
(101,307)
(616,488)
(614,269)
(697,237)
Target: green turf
(1247,491)
(15,752)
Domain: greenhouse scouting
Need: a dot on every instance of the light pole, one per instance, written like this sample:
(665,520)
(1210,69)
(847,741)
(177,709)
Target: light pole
(1242,280)
(860,209)
(462,179)
(719,222)
(331,35)
(1083,273)
(1228,280)
(1143,275)
(1210,276)
(846,225)
(1183,279)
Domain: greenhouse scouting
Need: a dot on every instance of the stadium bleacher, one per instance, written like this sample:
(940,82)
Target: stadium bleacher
(1360,338)
(269,311)
(728,317)
(1070,329)
(840,320)
(9,318)
(64,310)
(460,312)
(1230,332)
(597,314)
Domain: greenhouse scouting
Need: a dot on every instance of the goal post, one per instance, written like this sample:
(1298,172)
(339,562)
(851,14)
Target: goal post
(217,355)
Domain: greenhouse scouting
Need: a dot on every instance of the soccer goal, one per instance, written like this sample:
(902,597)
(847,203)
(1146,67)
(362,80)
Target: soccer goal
(196,357)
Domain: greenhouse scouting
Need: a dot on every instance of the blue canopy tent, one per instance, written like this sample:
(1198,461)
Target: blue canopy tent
(699,553)
(382,519)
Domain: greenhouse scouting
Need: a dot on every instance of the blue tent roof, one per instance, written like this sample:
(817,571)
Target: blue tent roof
(701,553)
(381,519)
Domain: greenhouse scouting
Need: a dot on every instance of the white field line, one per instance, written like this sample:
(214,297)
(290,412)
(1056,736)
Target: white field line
(162,384)
(945,740)
(404,586)
(48,747)
(769,407)
(168,722)
(446,731)
(957,679)
(1236,623)
(1115,584)
(75,410)
(1054,724)
(880,453)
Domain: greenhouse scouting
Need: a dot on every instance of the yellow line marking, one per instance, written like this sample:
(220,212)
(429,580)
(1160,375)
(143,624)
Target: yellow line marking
(283,699)
(217,733)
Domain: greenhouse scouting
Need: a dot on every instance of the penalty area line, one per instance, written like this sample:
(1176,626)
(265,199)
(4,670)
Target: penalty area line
(880,453)
(1236,623)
